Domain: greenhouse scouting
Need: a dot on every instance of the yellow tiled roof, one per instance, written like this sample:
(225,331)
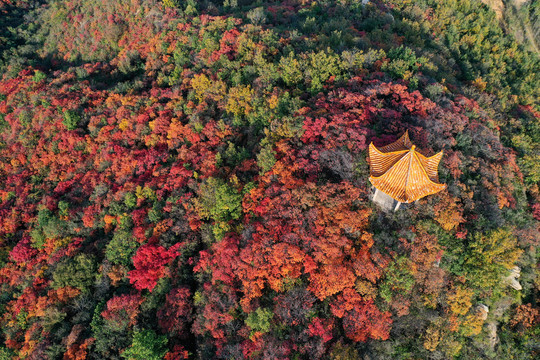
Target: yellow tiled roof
(401,172)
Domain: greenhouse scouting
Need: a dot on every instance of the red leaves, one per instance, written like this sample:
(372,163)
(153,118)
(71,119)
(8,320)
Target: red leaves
(313,128)
(23,251)
(341,130)
(178,353)
(330,280)
(361,318)
(269,265)
(176,314)
(216,313)
(132,170)
(150,261)
(536,211)
(321,328)
(123,310)
(223,262)
(89,215)
(178,177)
(227,45)
(344,124)
(453,163)
(76,351)
(524,317)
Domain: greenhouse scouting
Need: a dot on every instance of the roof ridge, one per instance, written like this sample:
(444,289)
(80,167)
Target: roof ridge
(405,182)
(411,155)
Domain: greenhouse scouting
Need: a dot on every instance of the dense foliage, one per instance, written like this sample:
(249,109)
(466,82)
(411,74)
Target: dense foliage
(184,180)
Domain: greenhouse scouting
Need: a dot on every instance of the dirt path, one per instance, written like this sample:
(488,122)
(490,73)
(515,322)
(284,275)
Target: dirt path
(530,36)
(526,26)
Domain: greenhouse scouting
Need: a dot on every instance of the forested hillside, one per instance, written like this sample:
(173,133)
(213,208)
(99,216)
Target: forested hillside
(521,18)
(189,180)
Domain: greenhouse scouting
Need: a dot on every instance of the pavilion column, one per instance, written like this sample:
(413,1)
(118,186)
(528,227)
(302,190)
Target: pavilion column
(375,194)
(397,206)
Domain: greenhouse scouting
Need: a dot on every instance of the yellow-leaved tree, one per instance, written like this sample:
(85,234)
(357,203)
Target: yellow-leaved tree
(490,257)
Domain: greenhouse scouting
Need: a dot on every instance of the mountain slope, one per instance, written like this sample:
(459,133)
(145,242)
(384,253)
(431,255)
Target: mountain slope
(184,180)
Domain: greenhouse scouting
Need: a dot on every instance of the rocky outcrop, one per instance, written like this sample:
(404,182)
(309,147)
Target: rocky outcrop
(483,310)
(497,6)
(511,280)
(492,335)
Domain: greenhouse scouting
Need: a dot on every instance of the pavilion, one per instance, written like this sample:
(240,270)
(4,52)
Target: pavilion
(400,174)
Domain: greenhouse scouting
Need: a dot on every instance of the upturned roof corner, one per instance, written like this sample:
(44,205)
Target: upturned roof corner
(403,173)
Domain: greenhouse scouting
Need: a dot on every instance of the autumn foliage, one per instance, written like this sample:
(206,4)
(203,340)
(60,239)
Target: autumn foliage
(184,180)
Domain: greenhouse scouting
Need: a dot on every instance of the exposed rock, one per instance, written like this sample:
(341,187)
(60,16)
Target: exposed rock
(492,335)
(483,310)
(520,3)
(501,306)
(511,280)
(497,6)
